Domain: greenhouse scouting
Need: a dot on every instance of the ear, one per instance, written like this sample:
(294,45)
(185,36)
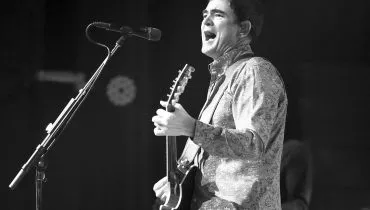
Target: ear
(245,28)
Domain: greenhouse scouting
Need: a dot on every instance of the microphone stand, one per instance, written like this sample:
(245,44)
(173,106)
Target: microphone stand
(38,158)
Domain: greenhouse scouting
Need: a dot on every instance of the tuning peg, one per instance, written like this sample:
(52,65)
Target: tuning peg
(180,88)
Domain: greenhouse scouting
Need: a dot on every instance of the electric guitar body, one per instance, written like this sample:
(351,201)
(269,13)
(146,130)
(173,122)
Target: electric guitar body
(181,190)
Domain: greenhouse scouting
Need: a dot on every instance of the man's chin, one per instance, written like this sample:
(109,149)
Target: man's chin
(208,51)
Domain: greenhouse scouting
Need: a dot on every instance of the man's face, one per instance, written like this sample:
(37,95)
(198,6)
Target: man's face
(219,28)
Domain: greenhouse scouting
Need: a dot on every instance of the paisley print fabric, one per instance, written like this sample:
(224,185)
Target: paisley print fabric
(240,132)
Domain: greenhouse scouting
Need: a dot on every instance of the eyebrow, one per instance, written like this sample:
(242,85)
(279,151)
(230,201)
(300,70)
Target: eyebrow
(214,11)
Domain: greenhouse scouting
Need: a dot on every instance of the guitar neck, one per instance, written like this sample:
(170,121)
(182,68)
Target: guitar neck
(171,147)
(176,89)
(171,154)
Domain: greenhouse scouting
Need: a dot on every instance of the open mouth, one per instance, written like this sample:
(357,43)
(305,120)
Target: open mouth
(209,35)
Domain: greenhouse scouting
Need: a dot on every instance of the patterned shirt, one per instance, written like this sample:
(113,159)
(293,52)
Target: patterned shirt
(240,133)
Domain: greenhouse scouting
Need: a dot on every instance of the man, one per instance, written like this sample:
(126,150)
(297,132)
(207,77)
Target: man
(241,126)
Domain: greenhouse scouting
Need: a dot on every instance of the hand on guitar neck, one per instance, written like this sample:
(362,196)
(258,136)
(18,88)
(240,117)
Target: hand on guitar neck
(176,123)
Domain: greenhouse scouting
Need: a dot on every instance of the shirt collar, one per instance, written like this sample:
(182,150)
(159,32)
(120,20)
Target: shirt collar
(218,67)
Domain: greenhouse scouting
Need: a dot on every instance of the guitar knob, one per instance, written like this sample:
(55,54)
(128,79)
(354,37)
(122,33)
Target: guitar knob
(183,165)
(184,162)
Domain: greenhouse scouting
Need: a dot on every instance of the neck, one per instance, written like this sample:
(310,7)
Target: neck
(242,45)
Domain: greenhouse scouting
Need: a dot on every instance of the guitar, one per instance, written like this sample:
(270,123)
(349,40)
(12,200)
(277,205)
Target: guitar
(180,174)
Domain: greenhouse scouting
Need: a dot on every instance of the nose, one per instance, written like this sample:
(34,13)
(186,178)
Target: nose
(207,21)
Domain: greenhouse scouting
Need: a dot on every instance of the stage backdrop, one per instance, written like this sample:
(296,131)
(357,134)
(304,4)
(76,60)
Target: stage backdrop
(108,157)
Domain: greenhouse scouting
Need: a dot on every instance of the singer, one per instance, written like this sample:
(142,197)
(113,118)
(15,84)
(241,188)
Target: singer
(241,127)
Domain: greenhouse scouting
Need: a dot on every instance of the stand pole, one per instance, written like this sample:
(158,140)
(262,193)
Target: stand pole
(40,178)
(37,159)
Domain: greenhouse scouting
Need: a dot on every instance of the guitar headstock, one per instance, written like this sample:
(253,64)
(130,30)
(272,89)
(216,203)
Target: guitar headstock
(178,86)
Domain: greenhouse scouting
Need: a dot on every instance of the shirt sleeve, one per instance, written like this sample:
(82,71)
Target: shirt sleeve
(255,91)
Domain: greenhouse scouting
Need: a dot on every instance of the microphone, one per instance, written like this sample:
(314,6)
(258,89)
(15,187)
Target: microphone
(148,33)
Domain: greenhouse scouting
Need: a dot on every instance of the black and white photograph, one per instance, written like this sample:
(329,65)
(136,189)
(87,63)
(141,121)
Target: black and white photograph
(185,105)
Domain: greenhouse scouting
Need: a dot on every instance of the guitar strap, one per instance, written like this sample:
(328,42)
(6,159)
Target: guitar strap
(191,149)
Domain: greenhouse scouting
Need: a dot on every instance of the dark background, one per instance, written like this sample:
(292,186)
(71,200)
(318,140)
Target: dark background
(108,157)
